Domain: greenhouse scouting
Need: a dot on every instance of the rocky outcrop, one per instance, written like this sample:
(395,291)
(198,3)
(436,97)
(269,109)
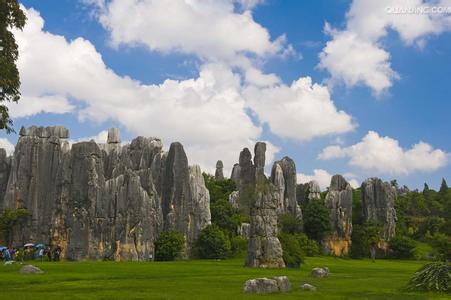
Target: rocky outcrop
(264,248)
(267,285)
(235,176)
(103,201)
(5,165)
(339,202)
(378,199)
(283,177)
(219,173)
(314,191)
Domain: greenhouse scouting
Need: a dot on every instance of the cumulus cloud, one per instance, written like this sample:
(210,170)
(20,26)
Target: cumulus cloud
(7,145)
(300,111)
(323,178)
(202,112)
(212,30)
(356,55)
(385,155)
(99,138)
(31,105)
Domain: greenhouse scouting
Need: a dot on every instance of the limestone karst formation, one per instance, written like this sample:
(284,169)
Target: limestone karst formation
(264,248)
(378,200)
(219,173)
(339,202)
(102,201)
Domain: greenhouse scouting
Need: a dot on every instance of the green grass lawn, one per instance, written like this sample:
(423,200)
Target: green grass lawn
(207,279)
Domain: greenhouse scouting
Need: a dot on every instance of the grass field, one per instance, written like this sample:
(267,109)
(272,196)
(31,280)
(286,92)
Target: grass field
(207,279)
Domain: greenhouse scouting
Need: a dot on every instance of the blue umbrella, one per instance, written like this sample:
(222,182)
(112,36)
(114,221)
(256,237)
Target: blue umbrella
(3,249)
(39,246)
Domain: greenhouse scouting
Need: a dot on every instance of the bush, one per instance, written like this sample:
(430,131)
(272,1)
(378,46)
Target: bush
(309,247)
(213,243)
(290,224)
(402,247)
(441,243)
(169,245)
(239,246)
(316,220)
(434,276)
(363,237)
(292,252)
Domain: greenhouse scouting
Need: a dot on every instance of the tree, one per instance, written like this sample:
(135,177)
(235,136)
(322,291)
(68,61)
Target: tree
(402,247)
(316,220)
(443,186)
(169,245)
(11,16)
(292,252)
(9,219)
(213,243)
(289,223)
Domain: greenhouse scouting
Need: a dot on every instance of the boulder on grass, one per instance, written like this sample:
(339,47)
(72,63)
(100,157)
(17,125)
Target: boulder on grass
(267,285)
(30,269)
(308,287)
(320,272)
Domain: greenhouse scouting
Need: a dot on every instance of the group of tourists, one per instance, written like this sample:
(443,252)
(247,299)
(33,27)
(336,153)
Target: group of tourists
(29,252)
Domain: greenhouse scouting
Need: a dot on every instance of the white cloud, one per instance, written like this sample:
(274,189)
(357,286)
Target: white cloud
(32,105)
(356,54)
(323,178)
(214,31)
(7,145)
(384,155)
(208,114)
(301,111)
(99,138)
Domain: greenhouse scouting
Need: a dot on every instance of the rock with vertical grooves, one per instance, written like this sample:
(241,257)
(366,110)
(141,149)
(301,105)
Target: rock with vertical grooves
(234,197)
(219,173)
(378,199)
(4,174)
(259,161)
(113,136)
(339,202)
(235,175)
(264,248)
(278,181)
(246,181)
(314,192)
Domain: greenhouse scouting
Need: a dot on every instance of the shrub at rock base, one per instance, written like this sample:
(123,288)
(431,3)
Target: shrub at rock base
(213,243)
(402,247)
(169,245)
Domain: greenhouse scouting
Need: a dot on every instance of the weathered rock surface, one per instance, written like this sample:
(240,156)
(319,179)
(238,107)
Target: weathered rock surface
(235,175)
(320,272)
(339,202)
(308,287)
(314,191)
(283,177)
(244,230)
(267,285)
(30,269)
(378,199)
(219,173)
(5,165)
(234,197)
(264,249)
(102,201)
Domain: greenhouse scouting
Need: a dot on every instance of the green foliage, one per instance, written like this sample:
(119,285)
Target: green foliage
(434,276)
(402,247)
(238,246)
(292,252)
(363,237)
(213,243)
(9,219)
(357,216)
(316,220)
(11,16)
(169,245)
(308,246)
(290,224)
(441,243)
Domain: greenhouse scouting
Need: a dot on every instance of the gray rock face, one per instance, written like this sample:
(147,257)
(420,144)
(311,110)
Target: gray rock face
(102,201)
(234,197)
(219,173)
(308,287)
(264,249)
(244,230)
(314,191)
(378,199)
(283,176)
(267,285)
(320,272)
(5,165)
(235,176)
(30,269)
(113,136)
(339,203)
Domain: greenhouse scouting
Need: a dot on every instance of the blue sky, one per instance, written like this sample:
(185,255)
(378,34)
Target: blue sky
(377,102)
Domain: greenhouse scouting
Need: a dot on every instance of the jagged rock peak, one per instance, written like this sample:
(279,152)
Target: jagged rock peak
(338,183)
(219,174)
(378,199)
(45,132)
(113,136)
